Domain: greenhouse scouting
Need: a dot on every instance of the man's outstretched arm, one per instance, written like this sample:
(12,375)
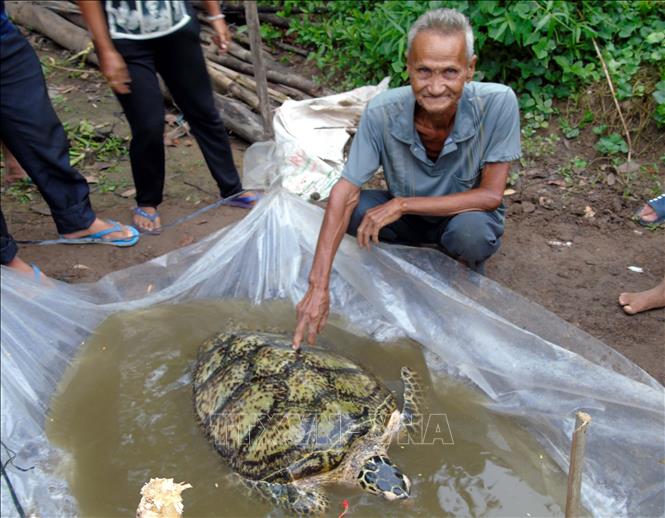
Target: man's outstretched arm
(312,310)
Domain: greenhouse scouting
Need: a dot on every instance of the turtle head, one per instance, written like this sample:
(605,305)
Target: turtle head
(380,476)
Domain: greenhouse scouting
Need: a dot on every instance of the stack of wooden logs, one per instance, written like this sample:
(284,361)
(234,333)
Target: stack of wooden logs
(232,74)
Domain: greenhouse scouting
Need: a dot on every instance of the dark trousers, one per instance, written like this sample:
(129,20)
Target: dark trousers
(178,58)
(33,133)
(470,236)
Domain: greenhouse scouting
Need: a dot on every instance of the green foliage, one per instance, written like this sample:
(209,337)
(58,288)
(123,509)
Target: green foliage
(573,169)
(538,146)
(22,190)
(659,96)
(87,141)
(612,145)
(542,48)
(572,130)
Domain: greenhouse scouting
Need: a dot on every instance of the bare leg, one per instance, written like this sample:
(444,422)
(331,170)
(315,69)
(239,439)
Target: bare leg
(20,266)
(644,300)
(13,170)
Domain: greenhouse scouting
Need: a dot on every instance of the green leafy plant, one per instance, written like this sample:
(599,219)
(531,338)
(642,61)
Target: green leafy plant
(544,49)
(572,130)
(22,190)
(659,96)
(612,145)
(87,141)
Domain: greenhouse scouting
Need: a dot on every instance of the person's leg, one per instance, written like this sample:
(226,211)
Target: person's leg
(8,247)
(472,237)
(408,229)
(368,199)
(13,170)
(144,109)
(643,300)
(31,130)
(180,62)
(9,250)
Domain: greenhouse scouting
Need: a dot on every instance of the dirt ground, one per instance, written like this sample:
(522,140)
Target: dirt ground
(568,244)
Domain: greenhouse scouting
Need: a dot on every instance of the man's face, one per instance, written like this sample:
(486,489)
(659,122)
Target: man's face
(438,69)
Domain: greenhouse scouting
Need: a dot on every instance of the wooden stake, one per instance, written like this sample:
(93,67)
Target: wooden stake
(614,96)
(582,421)
(252,17)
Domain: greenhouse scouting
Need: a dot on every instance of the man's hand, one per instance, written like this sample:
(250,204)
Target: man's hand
(375,219)
(114,69)
(222,36)
(312,315)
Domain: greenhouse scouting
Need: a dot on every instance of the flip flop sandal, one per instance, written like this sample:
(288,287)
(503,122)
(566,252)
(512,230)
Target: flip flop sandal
(139,211)
(658,206)
(244,201)
(99,239)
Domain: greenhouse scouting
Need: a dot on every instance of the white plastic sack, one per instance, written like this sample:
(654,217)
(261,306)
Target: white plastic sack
(531,364)
(307,155)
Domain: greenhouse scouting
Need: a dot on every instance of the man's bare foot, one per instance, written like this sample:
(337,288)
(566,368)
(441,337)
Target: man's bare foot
(147,219)
(100,225)
(643,300)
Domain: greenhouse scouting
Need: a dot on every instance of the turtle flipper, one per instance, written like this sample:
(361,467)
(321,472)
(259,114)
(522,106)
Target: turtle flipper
(413,401)
(293,499)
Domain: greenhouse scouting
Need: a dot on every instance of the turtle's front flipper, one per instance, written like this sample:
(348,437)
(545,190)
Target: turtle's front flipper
(412,417)
(293,499)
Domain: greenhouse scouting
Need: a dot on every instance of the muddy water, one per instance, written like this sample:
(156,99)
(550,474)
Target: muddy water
(124,414)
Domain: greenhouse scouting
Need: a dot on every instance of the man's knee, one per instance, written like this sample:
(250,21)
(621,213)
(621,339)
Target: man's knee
(472,237)
(368,199)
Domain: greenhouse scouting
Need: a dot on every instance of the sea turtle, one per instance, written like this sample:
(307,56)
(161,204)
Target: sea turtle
(288,422)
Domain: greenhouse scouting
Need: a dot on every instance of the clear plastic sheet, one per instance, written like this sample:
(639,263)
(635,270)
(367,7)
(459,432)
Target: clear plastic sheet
(530,364)
(307,155)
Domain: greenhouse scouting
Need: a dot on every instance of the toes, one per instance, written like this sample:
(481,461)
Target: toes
(629,310)
(142,224)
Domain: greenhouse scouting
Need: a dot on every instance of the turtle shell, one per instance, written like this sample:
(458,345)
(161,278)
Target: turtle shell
(279,415)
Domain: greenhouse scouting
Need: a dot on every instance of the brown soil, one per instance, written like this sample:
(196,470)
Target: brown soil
(567,244)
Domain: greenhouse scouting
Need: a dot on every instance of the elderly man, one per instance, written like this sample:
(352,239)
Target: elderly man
(445,144)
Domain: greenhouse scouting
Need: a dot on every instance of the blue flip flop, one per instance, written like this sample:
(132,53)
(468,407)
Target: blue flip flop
(658,205)
(244,201)
(139,211)
(36,272)
(98,237)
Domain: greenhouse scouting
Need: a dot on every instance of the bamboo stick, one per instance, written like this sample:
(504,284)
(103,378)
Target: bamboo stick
(246,81)
(242,38)
(252,18)
(574,493)
(614,97)
(309,88)
(225,84)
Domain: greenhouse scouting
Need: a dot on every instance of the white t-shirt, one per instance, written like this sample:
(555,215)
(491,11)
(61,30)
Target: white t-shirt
(144,19)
